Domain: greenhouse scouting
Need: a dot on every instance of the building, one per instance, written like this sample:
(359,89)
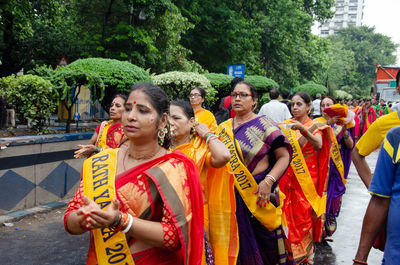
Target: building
(347,13)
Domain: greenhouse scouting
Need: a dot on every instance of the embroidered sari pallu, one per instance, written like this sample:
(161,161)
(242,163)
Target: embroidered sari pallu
(166,188)
(304,185)
(256,232)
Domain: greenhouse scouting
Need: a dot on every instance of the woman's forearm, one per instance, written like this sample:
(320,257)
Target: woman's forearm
(73,223)
(281,164)
(220,154)
(147,231)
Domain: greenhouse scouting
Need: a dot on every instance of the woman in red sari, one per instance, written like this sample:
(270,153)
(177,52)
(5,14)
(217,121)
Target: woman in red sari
(141,204)
(109,134)
(304,183)
(369,115)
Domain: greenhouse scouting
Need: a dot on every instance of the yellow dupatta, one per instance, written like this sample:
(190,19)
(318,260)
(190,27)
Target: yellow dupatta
(335,152)
(300,169)
(102,138)
(99,185)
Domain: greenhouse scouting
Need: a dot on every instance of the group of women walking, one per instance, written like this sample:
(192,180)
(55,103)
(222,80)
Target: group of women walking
(182,190)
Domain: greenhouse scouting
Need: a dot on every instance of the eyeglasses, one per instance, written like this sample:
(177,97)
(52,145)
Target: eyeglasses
(241,95)
(194,95)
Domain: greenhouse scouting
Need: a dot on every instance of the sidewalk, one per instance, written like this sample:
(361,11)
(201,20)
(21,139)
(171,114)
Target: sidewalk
(17,215)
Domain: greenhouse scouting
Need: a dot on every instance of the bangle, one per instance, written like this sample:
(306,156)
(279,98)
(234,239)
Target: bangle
(211,138)
(116,222)
(346,136)
(129,225)
(97,149)
(304,133)
(208,134)
(273,178)
(360,262)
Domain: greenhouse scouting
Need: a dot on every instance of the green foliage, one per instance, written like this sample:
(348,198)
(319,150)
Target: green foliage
(340,94)
(367,48)
(179,85)
(33,97)
(262,83)
(220,82)
(311,88)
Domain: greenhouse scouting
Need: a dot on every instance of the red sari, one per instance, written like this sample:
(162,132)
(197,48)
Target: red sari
(303,224)
(165,190)
(109,135)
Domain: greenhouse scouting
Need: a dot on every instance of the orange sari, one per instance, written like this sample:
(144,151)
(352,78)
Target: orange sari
(166,188)
(206,117)
(303,224)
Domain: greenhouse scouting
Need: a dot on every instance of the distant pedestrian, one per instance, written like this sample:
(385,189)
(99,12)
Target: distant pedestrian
(316,105)
(285,99)
(225,110)
(274,109)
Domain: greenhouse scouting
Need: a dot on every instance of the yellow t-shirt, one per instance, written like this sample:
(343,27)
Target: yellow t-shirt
(373,137)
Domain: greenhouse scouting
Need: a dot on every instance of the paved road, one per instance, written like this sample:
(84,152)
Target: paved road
(41,239)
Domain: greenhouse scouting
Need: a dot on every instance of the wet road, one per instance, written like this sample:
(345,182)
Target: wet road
(41,239)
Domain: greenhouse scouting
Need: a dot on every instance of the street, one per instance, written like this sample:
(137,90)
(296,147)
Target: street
(41,239)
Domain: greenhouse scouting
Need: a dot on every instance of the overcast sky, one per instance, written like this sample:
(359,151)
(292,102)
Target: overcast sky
(384,15)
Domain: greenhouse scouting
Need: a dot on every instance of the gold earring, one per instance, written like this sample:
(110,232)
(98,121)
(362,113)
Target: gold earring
(161,135)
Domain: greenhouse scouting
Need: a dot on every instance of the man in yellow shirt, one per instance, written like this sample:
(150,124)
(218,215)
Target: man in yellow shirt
(372,140)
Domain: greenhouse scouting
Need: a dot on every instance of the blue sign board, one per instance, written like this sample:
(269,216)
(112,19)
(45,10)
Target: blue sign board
(236,70)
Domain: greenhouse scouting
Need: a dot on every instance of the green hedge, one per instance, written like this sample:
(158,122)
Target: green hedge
(311,88)
(221,82)
(262,83)
(179,85)
(33,97)
(340,94)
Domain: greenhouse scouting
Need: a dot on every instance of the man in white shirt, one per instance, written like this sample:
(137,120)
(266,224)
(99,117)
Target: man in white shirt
(274,109)
(316,105)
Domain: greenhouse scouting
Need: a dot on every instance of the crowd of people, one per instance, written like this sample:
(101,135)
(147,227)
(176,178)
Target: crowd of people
(163,183)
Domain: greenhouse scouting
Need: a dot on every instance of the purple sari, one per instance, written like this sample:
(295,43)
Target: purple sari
(336,187)
(257,245)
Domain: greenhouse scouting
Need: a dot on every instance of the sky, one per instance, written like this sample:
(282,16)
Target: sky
(382,15)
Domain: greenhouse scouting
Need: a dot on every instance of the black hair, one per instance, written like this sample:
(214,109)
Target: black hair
(185,106)
(274,93)
(234,81)
(202,92)
(160,101)
(305,96)
(285,94)
(252,88)
(334,101)
(121,95)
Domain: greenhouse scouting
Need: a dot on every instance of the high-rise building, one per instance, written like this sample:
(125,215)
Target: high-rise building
(347,12)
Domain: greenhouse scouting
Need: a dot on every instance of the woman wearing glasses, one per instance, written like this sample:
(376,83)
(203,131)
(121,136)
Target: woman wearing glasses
(338,168)
(260,154)
(197,97)
(304,183)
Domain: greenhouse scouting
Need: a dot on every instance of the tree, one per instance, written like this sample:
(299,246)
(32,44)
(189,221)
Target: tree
(104,77)
(17,29)
(369,48)
(146,33)
(33,97)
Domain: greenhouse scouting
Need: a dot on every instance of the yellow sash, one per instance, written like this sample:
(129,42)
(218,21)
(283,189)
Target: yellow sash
(99,186)
(335,152)
(302,174)
(269,216)
(102,138)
